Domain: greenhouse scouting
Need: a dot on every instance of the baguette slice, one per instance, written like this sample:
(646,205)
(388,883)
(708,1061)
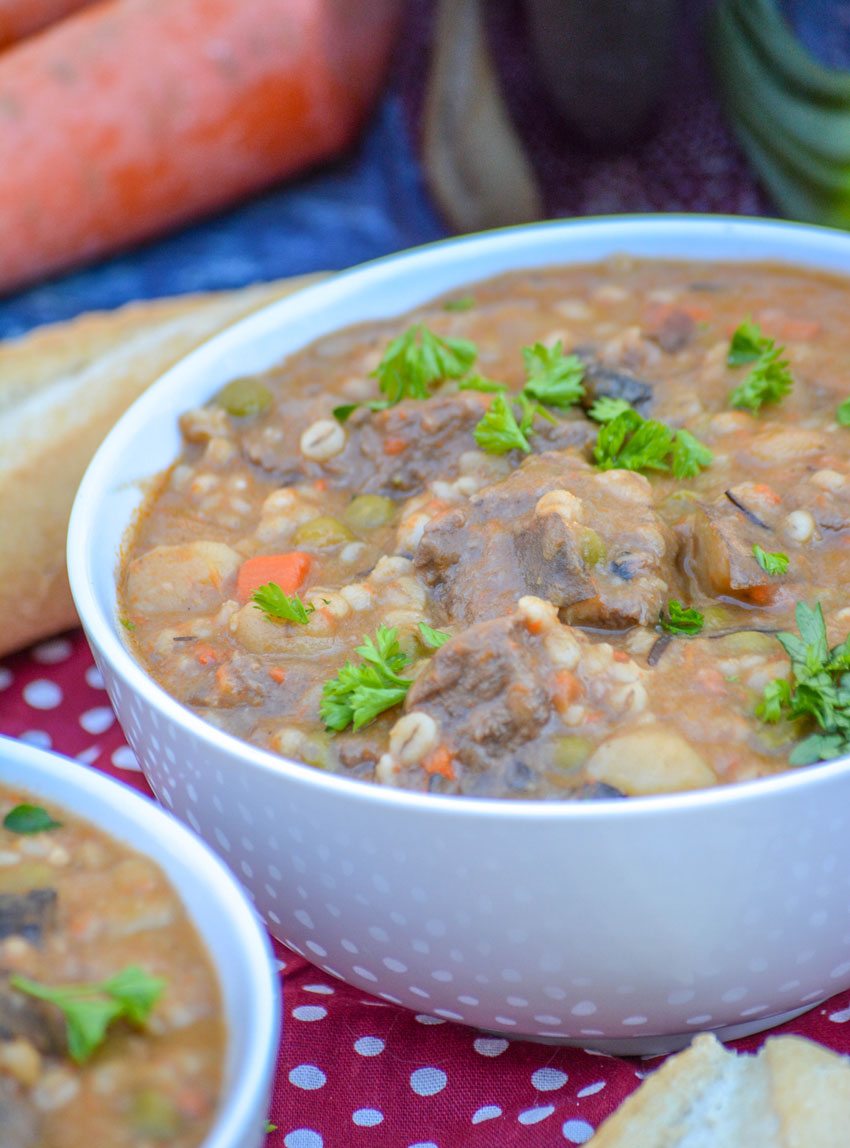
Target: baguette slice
(61,389)
(793,1094)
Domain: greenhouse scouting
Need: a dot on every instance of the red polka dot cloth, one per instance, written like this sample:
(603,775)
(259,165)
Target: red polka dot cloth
(354,1071)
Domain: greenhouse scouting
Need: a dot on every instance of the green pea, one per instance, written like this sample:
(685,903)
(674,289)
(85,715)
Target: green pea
(244,397)
(154,1115)
(369,511)
(322,532)
(569,753)
(592,549)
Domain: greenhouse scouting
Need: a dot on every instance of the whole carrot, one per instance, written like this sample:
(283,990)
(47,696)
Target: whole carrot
(19,18)
(133,116)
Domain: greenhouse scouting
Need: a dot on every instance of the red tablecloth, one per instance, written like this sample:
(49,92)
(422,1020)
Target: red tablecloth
(354,1071)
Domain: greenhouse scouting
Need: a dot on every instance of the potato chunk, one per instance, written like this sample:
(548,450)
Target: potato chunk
(192,576)
(649,759)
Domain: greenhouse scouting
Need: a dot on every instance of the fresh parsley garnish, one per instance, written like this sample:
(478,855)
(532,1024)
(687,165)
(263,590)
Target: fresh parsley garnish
(498,430)
(842,415)
(679,620)
(631,442)
(417,359)
(485,386)
(432,638)
(411,364)
(819,689)
(360,692)
(605,409)
(769,380)
(280,607)
(689,455)
(552,377)
(747,344)
(89,1009)
(771,563)
(127,623)
(464,303)
(26,818)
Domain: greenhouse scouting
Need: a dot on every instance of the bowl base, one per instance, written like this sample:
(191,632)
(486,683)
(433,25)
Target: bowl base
(662,1043)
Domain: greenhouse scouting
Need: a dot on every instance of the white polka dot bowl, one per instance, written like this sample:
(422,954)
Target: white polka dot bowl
(622,925)
(226,922)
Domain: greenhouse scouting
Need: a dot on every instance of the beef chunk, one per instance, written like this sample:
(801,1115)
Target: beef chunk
(674,332)
(28,1018)
(588,541)
(488,713)
(719,540)
(28,915)
(19,1120)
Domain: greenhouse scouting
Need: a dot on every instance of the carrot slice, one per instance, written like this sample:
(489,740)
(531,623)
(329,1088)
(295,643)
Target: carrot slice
(286,570)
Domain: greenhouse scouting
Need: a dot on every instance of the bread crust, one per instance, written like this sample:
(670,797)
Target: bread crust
(793,1094)
(61,389)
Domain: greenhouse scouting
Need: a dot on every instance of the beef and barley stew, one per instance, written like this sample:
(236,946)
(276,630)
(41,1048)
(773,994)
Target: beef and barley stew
(572,533)
(111,1028)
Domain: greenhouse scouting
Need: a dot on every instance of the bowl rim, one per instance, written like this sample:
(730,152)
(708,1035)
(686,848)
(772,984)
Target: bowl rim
(41,772)
(796,240)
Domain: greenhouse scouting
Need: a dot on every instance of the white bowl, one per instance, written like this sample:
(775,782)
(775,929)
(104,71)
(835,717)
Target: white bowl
(621,925)
(229,928)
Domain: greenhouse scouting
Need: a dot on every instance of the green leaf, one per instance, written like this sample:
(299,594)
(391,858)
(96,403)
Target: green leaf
(842,415)
(689,455)
(433,638)
(29,819)
(359,693)
(553,378)
(479,383)
(127,623)
(464,303)
(343,412)
(768,382)
(498,431)
(748,344)
(89,1009)
(280,607)
(606,409)
(681,621)
(416,360)
(776,563)
(630,442)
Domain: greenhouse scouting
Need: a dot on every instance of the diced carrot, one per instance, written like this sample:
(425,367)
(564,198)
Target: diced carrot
(286,570)
(440,761)
(320,484)
(620,656)
(277,674)
(767,492)
(567,689)
(205,654)
(393,444)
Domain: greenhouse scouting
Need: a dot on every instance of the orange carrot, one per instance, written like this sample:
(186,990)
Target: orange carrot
(19,18)
(133,116)
(440,761)
(394,444)
(286,570)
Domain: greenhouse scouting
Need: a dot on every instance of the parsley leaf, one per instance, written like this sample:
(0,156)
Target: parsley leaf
(689,455)
(842,415)
(630,442)
(360,692)
(498,431)
(432,638)
(681,621)
(605,409)
(29,819)
(417,359)
(464,303)
(771,563)
(769,380)
(280,607)
(89,1009)
(479,383)
(553,378)
(819,689)
(748,344)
